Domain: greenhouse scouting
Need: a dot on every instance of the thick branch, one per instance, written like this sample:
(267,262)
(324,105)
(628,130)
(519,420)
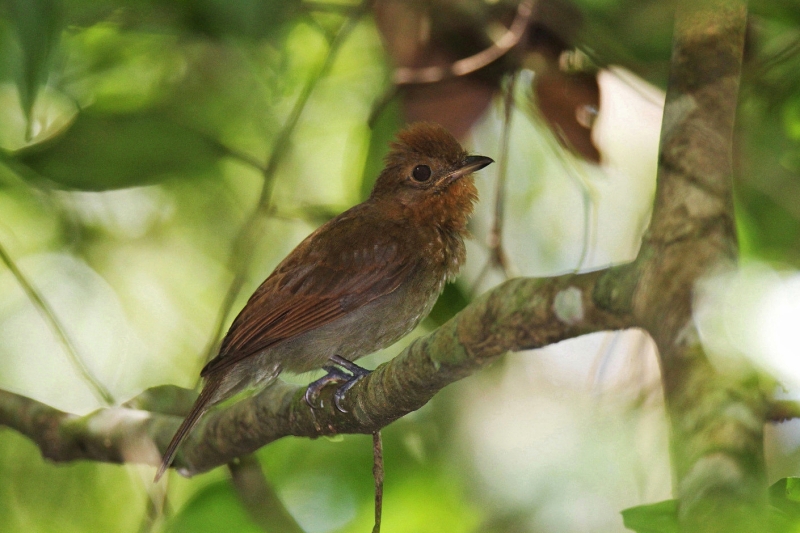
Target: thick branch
(716,418)
(520,314)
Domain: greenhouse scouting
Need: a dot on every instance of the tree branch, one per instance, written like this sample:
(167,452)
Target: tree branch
(520,314)
(716,418)
(783,410)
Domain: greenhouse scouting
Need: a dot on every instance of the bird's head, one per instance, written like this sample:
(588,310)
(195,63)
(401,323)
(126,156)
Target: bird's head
(428,174)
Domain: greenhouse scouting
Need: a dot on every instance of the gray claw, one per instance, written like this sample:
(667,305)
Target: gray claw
(334,375)
(338,396)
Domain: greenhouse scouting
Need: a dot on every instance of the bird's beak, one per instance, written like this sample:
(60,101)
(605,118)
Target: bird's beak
(470,164)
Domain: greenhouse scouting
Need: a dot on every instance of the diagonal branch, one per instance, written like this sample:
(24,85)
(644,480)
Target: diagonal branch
(520,314)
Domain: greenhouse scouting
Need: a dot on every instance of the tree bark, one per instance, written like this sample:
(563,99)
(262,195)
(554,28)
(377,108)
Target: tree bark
(716,416)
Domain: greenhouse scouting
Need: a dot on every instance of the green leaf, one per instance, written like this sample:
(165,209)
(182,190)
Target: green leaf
(214,508)
(38,25)
(384,127)
(793,489)
(253,19)
(785,495)
(661,517)
(452,300)
(784,510)
(102,152)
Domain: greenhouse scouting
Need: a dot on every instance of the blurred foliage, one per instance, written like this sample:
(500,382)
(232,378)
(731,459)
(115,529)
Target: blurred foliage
(769,165)
(75,498)
(661,517)
(134,137)
(784,497)
(141,148)
(215,507)
(38,25)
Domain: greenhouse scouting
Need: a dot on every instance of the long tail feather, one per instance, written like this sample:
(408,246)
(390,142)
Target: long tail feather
(201,405)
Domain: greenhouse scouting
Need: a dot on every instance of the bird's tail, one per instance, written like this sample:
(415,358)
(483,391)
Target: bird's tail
(201,405)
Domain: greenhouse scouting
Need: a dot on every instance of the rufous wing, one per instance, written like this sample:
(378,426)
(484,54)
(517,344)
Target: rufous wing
(344,265)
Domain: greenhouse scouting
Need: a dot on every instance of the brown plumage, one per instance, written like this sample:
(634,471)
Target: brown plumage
(359,282)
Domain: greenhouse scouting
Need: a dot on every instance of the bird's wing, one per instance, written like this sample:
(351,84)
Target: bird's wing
(339,268)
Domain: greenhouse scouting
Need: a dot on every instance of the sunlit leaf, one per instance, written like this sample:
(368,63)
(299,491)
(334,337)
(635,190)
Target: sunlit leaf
(661,517)
(785,494)
(71,498)
(52,112)
(784,499)
(793,489)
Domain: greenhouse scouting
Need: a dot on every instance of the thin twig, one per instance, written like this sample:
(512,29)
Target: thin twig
(377,473)
(498,255)
(468,65)
(99,390)
(248,233)
(783,410)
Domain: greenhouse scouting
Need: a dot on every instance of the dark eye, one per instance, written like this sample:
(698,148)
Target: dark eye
(421,173)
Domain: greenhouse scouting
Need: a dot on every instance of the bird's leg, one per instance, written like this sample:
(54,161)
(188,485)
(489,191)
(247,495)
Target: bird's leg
(357,373)
(334,375)
(350,366)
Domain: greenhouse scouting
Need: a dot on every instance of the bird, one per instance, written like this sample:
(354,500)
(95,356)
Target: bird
(359,283)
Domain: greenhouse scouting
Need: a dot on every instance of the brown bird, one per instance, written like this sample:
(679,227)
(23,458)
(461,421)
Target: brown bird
(357,284)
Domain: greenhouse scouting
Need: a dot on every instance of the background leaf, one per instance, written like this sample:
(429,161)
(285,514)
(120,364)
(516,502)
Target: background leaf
(101,152)
(38,25)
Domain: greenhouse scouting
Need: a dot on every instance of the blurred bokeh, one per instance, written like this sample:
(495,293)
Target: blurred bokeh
(156,153)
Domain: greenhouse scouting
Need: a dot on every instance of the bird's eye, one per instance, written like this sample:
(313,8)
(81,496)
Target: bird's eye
(421,173)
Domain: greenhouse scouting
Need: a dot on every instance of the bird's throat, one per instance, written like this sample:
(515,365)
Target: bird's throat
(450,209)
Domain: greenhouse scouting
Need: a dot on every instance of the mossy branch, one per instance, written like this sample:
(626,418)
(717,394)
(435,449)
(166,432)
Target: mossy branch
(520,314)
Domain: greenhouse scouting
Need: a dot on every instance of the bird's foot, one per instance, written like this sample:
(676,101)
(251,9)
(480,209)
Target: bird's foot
(338,396)
(334,375)
(337,372)
(357,373)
